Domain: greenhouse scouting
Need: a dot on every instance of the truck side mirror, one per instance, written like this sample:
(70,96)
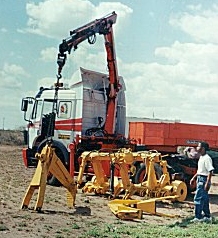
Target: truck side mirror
(24,105)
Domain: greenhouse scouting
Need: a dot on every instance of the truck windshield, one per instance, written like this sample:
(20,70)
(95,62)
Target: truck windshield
(42,107)
(48,106)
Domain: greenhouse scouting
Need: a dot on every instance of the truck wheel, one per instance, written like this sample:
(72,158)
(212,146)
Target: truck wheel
(134,168)
(62,154)
(158,170)
(140,174)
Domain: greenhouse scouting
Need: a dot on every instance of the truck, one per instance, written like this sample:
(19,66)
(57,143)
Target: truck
(85,116)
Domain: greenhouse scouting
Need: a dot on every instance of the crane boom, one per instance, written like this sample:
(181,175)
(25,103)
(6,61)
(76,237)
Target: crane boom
(102,26)
(86,32)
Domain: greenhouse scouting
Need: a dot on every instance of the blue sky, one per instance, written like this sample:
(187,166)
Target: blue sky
(166,51)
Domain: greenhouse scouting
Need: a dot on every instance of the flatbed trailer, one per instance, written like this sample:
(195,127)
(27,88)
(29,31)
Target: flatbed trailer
(167,136)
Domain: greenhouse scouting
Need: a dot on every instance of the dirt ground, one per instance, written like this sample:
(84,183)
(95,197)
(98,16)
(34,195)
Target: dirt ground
(57,220)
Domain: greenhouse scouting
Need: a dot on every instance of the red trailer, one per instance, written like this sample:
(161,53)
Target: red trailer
(167,136)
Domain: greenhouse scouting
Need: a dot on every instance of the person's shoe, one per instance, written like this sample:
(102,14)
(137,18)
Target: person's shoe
(195,220)
(207,219)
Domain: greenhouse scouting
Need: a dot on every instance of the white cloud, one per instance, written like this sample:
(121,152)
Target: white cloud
(183,85)
(178,89)
(54,18)
(194,58)
(11,86)
(3,29)
(106,7)
(201,25)
(195,7)
(10,76)
(46,82)
(48,54)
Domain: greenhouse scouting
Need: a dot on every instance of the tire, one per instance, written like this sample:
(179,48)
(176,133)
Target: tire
(137,166)
(158,170)
(62,154)
(140,174)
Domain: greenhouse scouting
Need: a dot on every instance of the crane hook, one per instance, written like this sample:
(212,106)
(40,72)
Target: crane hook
(59,76)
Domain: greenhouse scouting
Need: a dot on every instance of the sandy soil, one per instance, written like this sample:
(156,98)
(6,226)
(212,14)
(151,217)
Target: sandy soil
(57,220)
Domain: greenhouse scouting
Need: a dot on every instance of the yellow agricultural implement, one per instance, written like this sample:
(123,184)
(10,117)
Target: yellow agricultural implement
(152,189)
(49,163)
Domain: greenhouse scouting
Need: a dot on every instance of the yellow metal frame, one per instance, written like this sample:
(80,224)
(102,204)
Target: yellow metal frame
(152,189)
(49,163)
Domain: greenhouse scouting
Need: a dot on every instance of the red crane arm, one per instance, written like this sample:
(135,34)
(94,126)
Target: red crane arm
(114,83)
(102,26)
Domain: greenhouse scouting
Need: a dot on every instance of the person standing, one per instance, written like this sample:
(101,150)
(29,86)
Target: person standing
(203,176)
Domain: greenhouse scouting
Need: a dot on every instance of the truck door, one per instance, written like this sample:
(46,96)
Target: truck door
(33,127)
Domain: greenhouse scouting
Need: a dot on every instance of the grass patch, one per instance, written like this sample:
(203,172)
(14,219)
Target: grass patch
(75,226)
(3,227)
(22,224)
(183,229)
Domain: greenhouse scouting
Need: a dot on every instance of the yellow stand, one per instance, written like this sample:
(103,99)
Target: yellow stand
(49,162)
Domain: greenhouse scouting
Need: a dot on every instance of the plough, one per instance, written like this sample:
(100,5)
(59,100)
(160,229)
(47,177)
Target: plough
(120,188)
(152,189)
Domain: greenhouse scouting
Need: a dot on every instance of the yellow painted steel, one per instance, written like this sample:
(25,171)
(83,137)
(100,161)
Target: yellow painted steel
(179,189)
(49,163)
(134,209)
(124,158)
(124,211)
(151,188)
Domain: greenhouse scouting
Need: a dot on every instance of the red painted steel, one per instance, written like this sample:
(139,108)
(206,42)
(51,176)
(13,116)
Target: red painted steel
(170,135)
